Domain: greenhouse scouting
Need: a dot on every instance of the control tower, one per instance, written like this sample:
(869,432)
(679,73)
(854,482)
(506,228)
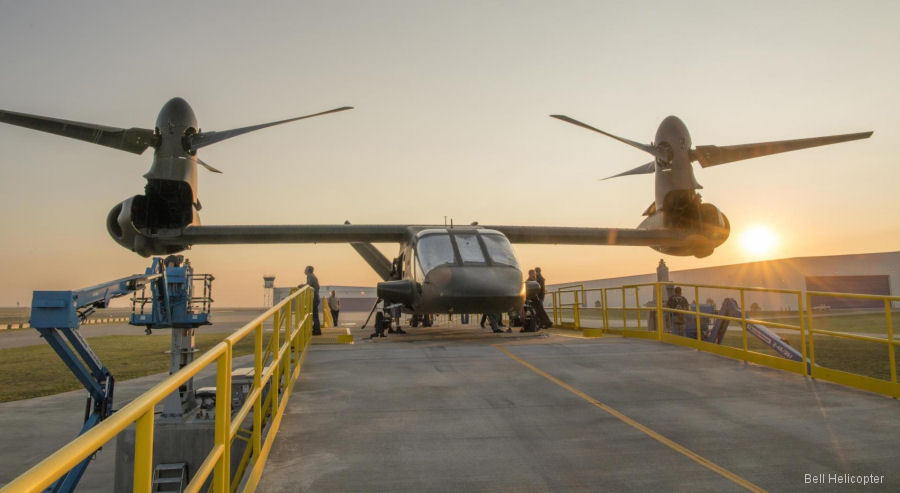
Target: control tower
(268,290)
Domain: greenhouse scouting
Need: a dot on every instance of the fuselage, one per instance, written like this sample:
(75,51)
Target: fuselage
(457,270)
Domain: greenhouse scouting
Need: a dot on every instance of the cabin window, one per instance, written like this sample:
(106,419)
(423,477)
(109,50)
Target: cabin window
(469,248)
(434,250)
(500,250)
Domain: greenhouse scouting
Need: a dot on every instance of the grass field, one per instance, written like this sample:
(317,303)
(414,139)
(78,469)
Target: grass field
(34,371)
(21,315)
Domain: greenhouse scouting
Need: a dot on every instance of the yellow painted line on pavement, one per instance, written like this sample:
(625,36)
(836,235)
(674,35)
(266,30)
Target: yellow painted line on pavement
(634,424)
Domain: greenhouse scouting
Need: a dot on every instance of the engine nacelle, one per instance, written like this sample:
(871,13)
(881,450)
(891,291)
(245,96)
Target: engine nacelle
(142,223)
(399,291)
(706,226)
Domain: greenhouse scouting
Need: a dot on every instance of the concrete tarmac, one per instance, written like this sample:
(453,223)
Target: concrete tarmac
(32,429)
(461,409)
(454,412)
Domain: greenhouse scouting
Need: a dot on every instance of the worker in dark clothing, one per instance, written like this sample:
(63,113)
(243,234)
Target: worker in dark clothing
(536,301)
(543,282)
(495,320)
(313,282)
(678,302)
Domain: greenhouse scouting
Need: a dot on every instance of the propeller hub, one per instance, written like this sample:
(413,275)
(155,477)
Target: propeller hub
(175,123)
(665,155)
(175,116)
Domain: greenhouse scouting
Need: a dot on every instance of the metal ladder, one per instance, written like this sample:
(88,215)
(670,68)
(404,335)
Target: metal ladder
(170,477)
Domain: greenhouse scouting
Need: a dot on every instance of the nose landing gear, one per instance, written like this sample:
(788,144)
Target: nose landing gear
(383,320)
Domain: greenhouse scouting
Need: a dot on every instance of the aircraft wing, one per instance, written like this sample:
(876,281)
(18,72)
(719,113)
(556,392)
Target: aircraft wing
(312,233)
(562,235)
(395,233)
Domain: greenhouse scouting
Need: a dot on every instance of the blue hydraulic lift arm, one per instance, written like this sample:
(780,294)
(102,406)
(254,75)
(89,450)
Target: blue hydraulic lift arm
(57,316)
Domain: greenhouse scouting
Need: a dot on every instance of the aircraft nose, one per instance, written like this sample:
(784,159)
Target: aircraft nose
(475,289)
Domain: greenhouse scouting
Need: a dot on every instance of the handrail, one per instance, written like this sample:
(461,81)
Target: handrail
(293,315)
(631,326)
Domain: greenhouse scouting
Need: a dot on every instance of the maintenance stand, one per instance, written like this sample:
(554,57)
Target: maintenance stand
(57,315)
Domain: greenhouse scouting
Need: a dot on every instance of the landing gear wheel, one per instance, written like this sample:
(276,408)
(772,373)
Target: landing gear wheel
(388,322)
(427,320)
(414,321)
(530,323)
(379,325)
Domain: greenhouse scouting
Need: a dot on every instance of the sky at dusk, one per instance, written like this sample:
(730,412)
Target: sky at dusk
(452,102)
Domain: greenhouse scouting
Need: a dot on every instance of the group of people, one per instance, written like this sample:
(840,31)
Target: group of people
(543,320)
(536,276)
(536,302)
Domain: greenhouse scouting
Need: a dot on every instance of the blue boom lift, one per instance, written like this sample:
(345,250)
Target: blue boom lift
(58,314)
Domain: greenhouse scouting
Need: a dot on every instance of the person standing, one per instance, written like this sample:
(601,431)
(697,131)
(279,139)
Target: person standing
(334,304)
(678,302)
(543,282)
(313,282)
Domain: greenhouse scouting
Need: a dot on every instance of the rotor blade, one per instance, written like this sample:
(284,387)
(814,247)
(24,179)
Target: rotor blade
(206,138)
(646,148)
(135,140)
(208,167)
(715,155)
(640,170)
(201,163)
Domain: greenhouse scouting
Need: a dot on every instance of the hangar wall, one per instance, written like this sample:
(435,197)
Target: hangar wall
(353,298)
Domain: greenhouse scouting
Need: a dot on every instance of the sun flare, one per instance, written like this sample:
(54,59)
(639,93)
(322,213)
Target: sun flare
(758,240)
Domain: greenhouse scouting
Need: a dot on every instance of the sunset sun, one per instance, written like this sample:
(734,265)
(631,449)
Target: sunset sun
(758,240)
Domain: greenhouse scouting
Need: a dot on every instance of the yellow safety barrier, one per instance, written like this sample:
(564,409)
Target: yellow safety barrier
(276,367)
(327,320)
(627,320)
(871,384)
(577,309)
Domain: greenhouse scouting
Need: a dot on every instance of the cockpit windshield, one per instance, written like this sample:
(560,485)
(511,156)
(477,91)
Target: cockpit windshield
(499,249)
(469,249)
(435,250)
(436,247)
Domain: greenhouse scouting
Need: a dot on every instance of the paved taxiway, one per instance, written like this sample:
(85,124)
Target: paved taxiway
(462,410)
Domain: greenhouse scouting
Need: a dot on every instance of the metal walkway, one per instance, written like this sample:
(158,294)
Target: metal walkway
(456,412)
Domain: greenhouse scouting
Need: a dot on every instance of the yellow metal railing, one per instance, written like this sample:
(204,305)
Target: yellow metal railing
(627,320)
(871,384)
(276,368)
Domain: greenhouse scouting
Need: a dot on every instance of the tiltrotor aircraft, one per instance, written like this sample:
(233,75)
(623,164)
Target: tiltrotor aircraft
(439,269)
